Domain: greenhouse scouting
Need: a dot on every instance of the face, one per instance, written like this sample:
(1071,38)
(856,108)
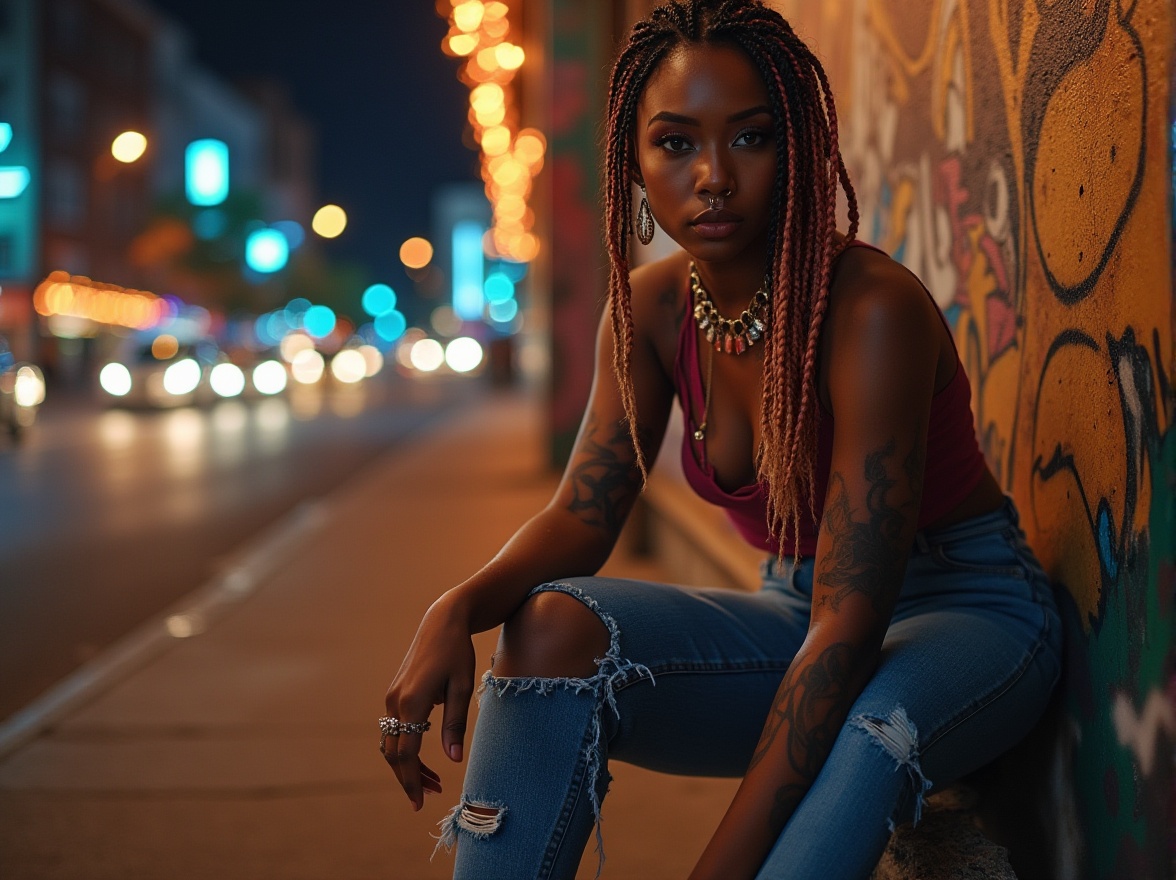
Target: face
(704,133)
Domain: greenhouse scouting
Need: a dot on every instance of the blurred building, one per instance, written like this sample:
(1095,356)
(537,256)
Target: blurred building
(74,75)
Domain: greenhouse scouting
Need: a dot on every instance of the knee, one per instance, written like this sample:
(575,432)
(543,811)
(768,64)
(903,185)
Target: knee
(553,635)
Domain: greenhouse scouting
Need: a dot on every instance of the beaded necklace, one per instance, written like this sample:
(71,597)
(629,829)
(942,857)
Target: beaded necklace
(725,335)
(732,336)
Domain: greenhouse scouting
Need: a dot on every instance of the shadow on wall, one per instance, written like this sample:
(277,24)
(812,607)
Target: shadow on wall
(1015,156)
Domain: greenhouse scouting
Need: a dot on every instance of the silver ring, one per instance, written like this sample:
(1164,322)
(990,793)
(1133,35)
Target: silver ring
(390,726)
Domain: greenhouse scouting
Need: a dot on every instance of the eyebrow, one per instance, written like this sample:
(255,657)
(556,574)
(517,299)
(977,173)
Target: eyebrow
(667,116)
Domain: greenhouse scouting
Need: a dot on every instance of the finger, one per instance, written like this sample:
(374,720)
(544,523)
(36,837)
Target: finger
(456,713)
(408,747)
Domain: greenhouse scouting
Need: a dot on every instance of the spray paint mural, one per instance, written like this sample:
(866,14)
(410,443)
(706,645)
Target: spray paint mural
(1015,155)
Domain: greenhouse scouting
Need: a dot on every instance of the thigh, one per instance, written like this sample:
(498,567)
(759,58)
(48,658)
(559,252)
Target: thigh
(691,668)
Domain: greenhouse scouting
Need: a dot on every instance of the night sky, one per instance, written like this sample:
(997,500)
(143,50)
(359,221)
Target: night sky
(370,76)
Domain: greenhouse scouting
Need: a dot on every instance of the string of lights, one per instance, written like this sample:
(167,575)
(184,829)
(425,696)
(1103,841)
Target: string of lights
(510,157)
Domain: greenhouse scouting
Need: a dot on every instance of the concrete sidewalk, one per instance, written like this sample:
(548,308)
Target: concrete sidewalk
(237,739)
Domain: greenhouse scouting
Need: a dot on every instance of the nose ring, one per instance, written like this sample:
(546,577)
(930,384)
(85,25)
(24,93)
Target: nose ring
(714,202)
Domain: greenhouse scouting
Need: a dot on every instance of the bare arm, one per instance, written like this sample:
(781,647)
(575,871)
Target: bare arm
(573,535)
(880,385)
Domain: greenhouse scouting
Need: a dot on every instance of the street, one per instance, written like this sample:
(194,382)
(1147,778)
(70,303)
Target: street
(107,517)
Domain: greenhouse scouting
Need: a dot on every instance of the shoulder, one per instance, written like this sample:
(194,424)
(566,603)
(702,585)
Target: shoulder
(880,323)
(659,288)
(660,296)
(872,295)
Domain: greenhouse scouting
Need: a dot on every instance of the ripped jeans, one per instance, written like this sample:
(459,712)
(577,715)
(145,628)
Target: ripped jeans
(966,668)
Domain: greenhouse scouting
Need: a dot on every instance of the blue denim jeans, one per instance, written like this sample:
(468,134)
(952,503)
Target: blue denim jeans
(967,666)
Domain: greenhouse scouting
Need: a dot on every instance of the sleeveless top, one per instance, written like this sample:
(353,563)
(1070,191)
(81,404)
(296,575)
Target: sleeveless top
(954,462)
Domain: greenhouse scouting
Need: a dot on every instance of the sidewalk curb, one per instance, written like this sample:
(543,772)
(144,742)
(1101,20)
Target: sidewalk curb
(190,616)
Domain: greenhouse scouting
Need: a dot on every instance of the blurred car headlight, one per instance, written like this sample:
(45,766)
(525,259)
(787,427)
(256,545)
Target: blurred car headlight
(29,388)
(349,366)
(269,377)
(182,377)
(227,380)
(115,380)
(307,366)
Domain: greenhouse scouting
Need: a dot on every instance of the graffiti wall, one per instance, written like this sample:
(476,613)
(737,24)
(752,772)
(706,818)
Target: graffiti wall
(1016,155)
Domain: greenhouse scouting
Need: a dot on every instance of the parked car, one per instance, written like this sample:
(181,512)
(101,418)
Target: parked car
(22,390)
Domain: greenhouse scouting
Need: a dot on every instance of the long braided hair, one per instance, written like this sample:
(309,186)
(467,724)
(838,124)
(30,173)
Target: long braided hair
(801,225)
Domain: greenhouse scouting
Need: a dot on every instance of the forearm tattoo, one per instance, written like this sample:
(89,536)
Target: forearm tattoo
(605,479)
(865,557)
(805,702)
(812,702)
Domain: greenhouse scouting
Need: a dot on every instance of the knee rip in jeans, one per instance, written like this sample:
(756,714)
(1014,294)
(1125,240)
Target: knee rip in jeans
(612,672)
(478,819)
(897,735)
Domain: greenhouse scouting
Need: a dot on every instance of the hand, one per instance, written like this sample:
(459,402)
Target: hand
(438,669)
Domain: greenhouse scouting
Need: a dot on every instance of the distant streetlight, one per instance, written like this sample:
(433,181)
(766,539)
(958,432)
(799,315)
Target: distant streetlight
(329,221)
(416,253)
(129,146)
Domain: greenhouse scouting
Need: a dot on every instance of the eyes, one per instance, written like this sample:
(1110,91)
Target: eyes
(680,143)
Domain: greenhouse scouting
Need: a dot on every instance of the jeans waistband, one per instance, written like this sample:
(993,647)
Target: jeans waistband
(1002,518)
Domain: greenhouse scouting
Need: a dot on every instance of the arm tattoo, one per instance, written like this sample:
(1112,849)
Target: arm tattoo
(605,480)
(803,702)
(865,557)
(812,701)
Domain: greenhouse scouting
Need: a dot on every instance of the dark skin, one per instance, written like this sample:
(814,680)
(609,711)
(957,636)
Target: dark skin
(703,129)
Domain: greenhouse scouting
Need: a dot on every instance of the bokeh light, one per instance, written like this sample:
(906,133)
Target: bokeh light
(498,288)
(329,221)
(128,146)
(182,377)
(463,354)
(292,344)
(468,15)
(348,366)
(372,359)
(427,355)
(206,166)
(378,299)
(115,380)
(390,326)
(266,250)
(227,380)
(307,366)
(269,377)
(319,321)
(416,252)
(503,312)
(164,347)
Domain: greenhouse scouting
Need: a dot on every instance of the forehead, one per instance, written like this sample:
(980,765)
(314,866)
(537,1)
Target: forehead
(696,78)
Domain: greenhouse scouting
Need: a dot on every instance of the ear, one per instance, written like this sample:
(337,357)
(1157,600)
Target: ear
(635,174)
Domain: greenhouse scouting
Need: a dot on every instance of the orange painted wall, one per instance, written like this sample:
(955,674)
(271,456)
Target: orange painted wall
(1015,154)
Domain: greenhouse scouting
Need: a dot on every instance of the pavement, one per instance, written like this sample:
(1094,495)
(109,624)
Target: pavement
(235,736)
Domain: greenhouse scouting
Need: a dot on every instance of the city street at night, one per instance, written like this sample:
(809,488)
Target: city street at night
(112,515)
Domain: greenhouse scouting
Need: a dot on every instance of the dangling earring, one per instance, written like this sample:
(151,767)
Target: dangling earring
(644,220)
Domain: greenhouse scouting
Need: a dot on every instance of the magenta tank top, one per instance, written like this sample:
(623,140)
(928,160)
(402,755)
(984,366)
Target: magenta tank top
(953,469)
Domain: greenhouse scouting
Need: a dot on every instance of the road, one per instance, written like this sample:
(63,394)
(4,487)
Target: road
(107,517)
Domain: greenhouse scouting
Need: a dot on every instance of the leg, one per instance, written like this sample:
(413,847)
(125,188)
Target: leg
(626,678)
(966,669)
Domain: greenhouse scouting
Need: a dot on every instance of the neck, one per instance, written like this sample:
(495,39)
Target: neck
(730,285)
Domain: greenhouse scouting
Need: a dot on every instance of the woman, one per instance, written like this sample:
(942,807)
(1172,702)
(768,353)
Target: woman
(904,635)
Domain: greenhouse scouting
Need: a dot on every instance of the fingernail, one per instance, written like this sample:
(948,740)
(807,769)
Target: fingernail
(455,752)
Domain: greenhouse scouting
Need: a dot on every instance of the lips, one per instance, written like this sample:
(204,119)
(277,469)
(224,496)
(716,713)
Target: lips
(716,224)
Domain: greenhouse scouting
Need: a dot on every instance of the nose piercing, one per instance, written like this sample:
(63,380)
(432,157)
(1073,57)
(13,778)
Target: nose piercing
(714,202)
